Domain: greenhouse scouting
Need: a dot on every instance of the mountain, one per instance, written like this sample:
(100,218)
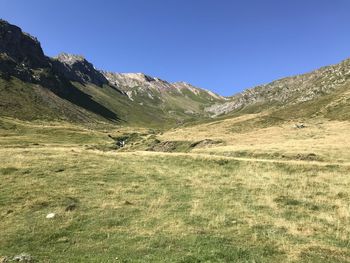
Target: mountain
(128,81)
(323,92)
(171,97)
(20,53)
(68,87)
(31,87)
(77,68)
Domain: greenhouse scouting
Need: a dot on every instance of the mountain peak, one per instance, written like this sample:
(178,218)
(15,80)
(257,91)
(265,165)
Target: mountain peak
(21,47)
(140,77)
(77,68)
(70,59)
(135,79)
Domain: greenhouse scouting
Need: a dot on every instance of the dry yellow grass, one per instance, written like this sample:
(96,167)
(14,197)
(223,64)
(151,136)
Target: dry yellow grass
(329,140)
(199,206)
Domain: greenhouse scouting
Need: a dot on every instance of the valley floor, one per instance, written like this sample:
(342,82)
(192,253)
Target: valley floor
(274,194)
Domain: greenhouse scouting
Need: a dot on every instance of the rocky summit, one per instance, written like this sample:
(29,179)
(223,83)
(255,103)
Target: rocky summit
(20,47)
(77,68)
(20,53)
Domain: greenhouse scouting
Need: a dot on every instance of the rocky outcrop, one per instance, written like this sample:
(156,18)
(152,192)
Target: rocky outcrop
(136,80)
(77,68)
(20,53)
(21,47)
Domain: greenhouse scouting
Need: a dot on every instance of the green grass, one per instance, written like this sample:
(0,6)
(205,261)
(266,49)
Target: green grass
(163,207)
(92,104)
(245,187)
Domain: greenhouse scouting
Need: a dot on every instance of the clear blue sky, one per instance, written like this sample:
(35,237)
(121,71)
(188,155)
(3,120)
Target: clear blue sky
(222,45)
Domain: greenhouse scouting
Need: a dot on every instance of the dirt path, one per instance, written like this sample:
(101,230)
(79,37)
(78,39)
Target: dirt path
(12,150)
(209,156)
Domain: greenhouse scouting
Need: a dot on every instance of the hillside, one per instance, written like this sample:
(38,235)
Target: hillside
(33,88)
(323,92)
(68,87)
(156,93)
(221,191)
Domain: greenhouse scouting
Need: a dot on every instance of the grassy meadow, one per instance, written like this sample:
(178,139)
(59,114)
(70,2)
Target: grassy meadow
(255,195)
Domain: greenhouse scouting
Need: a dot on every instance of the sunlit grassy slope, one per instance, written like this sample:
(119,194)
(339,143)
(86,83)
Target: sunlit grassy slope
(238,201)
(323,139)
(88,103)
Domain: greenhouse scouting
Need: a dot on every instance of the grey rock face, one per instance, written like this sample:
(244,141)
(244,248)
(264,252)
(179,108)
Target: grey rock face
(77,68)
(21,47)
(136,80)
(20,53)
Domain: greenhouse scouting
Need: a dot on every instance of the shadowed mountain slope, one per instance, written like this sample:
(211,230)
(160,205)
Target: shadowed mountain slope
(88,94)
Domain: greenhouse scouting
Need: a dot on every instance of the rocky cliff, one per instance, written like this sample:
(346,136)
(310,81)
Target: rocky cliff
(20,53)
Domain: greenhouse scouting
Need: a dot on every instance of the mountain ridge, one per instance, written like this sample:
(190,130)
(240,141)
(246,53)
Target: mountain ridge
(73,79)
(137,98)
(293,89)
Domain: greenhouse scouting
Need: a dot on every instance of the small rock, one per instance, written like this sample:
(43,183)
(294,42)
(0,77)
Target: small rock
(127,203)
(63,240)
(50,215)
(23,257)
(4,259)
